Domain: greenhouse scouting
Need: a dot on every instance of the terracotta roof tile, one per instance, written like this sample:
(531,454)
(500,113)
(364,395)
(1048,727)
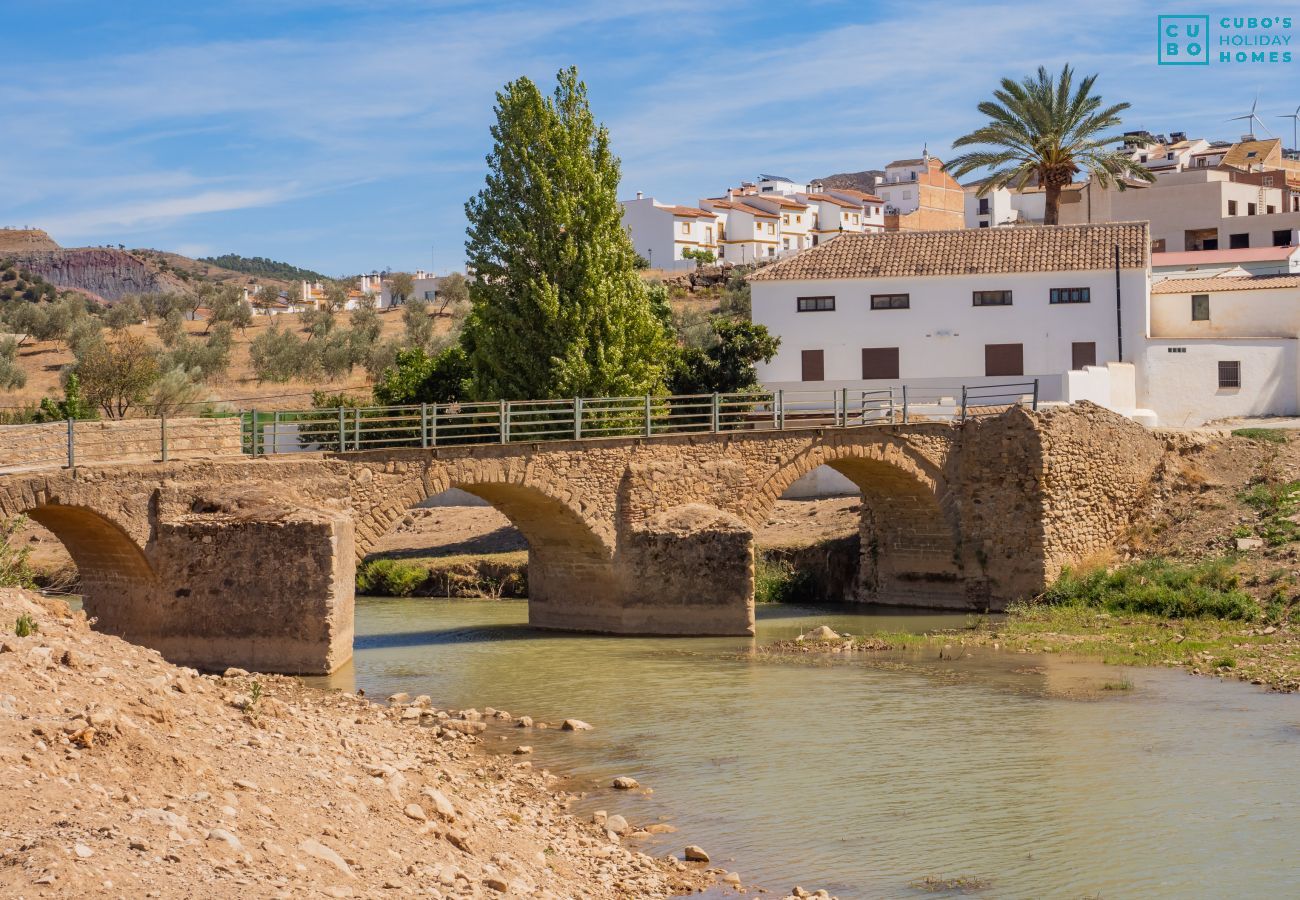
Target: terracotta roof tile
(968,251)
(827,198)
(1231,283)
(690,212)
(861,195)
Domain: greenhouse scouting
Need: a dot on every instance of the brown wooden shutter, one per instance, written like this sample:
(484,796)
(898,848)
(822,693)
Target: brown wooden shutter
(1004,359)
(1083,353)
(879,362)
(814,365)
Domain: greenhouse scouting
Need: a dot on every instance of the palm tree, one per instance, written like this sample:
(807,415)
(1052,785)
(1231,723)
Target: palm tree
(1042,131)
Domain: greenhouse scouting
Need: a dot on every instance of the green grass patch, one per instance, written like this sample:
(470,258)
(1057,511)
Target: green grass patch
(493,575)
(25,626)
(390,577)
(778,581)
(1122,685)
(1158,587)
(1276,504)
(1264,435)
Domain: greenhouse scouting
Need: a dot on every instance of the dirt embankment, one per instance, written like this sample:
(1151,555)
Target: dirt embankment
(126,776)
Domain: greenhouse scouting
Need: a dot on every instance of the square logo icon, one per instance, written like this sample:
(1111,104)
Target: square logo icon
(1183,40)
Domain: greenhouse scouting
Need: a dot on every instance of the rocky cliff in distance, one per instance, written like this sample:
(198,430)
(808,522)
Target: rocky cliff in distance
(22,240)
(103,273)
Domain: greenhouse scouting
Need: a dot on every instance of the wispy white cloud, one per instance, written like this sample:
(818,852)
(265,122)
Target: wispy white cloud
(129,217)
(289,104)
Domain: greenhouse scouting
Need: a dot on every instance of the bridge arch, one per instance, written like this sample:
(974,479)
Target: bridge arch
(910,537)
(570,555)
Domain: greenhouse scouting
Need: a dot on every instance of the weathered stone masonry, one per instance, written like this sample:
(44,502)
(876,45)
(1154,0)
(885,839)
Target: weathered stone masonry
(251,562)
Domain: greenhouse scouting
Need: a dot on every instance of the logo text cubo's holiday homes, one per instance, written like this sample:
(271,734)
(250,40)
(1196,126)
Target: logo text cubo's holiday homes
(1229,40)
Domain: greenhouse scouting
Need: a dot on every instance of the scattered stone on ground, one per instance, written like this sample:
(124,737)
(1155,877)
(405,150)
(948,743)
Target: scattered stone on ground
(188,789)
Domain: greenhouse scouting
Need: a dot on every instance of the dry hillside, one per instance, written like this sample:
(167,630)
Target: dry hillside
(43,362)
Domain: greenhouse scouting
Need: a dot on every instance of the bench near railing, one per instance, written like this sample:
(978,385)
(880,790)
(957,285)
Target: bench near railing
(430,425)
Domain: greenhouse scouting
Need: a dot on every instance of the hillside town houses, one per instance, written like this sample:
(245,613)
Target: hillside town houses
(1174,302)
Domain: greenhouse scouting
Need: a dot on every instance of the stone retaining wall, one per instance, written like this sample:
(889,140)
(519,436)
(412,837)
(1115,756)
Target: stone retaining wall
(126,440)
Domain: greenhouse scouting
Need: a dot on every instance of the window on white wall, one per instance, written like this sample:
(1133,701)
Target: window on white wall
(1070,295)
(1229,373)
(815,304)
(1200,307)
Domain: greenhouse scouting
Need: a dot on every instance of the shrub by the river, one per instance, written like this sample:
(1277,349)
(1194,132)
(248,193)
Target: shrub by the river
(1158,587)
(778,581)
(390,578)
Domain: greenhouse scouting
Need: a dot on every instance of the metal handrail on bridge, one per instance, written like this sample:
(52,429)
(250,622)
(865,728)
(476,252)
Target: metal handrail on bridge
(433,425)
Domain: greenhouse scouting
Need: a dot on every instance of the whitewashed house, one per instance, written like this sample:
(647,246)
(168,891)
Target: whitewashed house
(947,308)
(1004,206)
(796,220)
(747,233)
(660,232)
(1221,347)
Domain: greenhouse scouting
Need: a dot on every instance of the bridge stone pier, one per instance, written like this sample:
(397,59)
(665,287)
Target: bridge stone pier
(251,562)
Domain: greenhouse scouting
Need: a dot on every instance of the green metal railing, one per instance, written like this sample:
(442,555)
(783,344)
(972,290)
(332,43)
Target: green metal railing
(433,425)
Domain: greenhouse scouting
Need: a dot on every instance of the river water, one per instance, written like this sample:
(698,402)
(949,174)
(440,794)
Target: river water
(864,775)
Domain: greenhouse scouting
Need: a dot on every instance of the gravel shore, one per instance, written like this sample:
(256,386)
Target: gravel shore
(126,776)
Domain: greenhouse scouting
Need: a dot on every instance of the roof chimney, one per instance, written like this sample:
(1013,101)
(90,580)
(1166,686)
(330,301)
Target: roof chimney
(638,195)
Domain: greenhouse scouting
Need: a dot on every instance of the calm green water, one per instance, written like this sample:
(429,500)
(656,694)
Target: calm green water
(862,776)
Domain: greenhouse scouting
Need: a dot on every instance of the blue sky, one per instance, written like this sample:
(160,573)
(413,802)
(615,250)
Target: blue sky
(347,135)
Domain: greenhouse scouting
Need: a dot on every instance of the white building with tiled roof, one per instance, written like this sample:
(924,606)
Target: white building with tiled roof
(1071,306)
(746,233)
(948,308)
(663,232)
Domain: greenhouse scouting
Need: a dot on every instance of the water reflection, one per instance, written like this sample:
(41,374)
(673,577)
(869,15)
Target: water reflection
(861,775)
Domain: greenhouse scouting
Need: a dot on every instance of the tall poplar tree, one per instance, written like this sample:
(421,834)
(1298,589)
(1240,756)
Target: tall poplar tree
(557,309)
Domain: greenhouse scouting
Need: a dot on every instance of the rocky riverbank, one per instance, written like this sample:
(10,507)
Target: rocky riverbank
(127,776)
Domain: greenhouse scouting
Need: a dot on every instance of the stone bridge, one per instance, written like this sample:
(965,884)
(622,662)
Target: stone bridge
(251,562)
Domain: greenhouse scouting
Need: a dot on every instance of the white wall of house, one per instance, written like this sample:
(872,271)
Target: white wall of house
(650,227)
(989,211)
(942,335)
(1239,314)
(1179,379)
(903,196)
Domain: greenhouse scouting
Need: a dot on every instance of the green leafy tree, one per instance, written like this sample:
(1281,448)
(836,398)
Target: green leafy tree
(452,295)
(401,286)
(278,356)
(175,391)
(118,376)
(123,314)
(320,322)
(557,308)
(418,322)
(365,325)
(336,296)
(84,334)
(1043,130)
(417,377)
(12,375)
(73,405)
(727,366)
(171,330)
